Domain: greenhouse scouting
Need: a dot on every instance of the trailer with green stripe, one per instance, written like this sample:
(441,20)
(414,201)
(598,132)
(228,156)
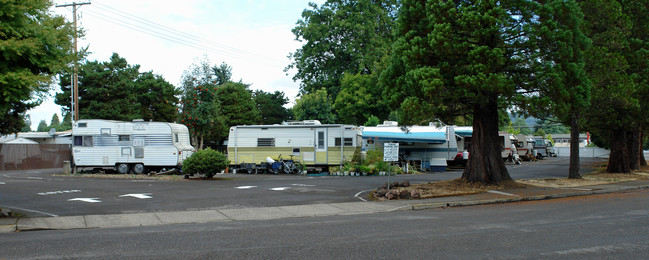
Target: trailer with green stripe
(314,145)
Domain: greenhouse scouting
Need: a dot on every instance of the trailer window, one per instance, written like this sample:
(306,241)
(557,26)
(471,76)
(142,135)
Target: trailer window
(83,141)
(124,138)
(348,141)
(83,124)
(296,151)
(175,138)
(265,142)
(321,140)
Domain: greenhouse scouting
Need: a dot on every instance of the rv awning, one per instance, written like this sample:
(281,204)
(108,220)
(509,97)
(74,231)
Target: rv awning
(420,137)
(464,131)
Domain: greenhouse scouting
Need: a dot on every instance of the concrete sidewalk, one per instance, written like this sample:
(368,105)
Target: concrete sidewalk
(312,210)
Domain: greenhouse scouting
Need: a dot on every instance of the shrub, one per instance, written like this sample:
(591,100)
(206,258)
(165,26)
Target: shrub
(208,162)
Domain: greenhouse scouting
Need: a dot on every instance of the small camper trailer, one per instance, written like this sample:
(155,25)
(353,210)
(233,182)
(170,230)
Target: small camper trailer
(310,143)
(426,147)
(136,146)
(464,134)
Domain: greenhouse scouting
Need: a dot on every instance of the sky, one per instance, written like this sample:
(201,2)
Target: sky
(252,36)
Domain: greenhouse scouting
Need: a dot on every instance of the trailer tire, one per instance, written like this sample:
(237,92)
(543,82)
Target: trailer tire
(138,168)
(123,168)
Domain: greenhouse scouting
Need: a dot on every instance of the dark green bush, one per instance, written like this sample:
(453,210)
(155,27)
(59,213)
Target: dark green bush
(208,162)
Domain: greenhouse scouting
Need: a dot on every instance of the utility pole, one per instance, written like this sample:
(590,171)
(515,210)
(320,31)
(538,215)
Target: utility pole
(74,107)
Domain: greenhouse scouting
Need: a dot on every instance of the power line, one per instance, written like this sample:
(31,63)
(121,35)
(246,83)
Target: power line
(136,23)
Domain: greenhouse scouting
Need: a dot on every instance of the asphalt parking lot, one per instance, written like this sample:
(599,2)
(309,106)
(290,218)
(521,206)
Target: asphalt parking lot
(40,193)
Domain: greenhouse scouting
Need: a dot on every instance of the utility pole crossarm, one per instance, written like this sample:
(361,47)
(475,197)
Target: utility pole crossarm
(74,108)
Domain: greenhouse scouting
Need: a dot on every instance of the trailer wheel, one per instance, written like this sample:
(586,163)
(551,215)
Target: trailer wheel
(122,168)
(138,168)
(298,168)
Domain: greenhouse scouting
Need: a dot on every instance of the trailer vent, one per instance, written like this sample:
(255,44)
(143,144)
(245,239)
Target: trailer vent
(265,142)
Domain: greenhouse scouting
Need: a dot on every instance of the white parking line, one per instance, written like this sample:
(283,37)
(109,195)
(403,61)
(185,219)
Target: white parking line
(137,195)
(2,182)
(245,187)
(89,200)
(502,193)
(280,188)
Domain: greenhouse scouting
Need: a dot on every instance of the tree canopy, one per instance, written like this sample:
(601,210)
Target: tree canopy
(341,36)
(455,58)
(315,106)
(35,45)
(116,90)
(271,107)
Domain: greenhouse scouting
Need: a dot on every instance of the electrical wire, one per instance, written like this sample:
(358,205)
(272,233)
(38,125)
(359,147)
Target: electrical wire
(136,23)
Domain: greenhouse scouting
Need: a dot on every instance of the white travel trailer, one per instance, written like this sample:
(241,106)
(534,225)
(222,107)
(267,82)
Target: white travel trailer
(426,147)
(464,134)
(309,143)
(136,146)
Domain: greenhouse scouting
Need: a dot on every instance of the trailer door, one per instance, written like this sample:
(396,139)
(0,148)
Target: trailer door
(321,146)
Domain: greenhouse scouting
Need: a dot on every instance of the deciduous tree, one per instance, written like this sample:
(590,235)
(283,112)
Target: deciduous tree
(315,106)
(341,36)
(35,45)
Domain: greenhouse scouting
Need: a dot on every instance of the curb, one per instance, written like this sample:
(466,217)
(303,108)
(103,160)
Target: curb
(297,211)
(527,198)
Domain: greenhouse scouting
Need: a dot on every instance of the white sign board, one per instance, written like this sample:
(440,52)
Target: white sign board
(390,152)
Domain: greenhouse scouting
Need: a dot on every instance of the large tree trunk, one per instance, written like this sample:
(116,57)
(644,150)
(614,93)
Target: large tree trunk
(485,163)
(618,161)
(635,149)
(573,170)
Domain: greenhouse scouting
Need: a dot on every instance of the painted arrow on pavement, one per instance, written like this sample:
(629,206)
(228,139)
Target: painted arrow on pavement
(89,200)
(137,195)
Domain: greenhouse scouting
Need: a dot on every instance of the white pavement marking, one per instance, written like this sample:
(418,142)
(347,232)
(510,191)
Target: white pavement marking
(303,185)
(584,189)
(58,192)
(245,187)
(502,193)
(359,193)
(280,188)
(137,195)
(2,182)
(35,178)
(30,210)
(89,200)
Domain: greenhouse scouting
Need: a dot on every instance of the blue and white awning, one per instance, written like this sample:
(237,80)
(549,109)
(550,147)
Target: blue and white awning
(422,134)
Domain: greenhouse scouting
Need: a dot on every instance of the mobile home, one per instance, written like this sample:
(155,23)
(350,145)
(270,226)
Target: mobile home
(136,146)
(310,143)
(426,147)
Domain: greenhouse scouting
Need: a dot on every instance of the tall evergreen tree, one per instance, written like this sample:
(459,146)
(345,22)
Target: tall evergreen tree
(55,122)
(463,58)
(117,90)
(564,88)
(271,107)
(42,126)
(613,91)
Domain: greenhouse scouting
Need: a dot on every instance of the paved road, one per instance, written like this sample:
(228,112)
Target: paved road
(611,226)
(39,193)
